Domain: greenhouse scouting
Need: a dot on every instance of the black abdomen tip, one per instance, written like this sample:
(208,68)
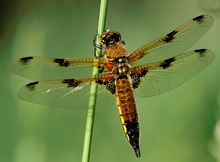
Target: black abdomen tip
(137,152)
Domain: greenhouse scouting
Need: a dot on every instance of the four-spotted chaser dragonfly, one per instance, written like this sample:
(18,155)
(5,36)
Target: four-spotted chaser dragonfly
(151,69)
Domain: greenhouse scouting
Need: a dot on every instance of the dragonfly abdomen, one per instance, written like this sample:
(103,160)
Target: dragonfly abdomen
(127,111)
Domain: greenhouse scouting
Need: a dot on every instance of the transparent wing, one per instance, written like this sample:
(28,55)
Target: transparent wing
(172,44)
(66,93)
(163,76)
(42,68)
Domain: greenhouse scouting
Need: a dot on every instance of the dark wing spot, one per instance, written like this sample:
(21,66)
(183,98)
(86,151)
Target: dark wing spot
(170,36)
(71,82)
(24,60)
(62,62)
(109,84)
(166,63)
(143,72)
(198,18)
(31,86)
(201,52)
(136,78)
(100,82)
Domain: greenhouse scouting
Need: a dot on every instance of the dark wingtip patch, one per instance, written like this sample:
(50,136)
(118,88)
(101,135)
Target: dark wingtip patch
(198,18)
(201,52)
(169,37)
(26,59)
(166,63)
(71,82)
(62,62)
(31,86)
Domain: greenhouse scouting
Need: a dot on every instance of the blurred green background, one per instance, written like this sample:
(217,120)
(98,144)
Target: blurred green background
(178,126)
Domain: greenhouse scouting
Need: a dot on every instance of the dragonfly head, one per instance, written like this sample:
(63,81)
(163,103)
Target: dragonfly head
(109,38)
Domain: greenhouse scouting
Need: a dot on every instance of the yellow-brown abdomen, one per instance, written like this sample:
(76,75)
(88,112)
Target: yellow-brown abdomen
(127,111)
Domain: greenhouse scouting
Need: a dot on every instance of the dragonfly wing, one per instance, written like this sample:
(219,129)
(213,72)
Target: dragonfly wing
(66,93)
(172,44)
(42,68)
(165,75)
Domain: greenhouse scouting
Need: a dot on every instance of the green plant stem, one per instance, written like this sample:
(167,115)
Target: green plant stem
(93,91)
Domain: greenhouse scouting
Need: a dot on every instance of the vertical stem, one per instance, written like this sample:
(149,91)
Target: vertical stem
(93,91)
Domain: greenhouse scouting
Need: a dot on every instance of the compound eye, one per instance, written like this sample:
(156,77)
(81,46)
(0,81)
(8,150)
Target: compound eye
(102,41)
(116,37)
(103,38)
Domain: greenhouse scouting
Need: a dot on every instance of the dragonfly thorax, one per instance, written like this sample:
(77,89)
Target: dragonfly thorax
(122,66)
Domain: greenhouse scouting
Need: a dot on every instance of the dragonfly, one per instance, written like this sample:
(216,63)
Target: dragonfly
(151,69)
